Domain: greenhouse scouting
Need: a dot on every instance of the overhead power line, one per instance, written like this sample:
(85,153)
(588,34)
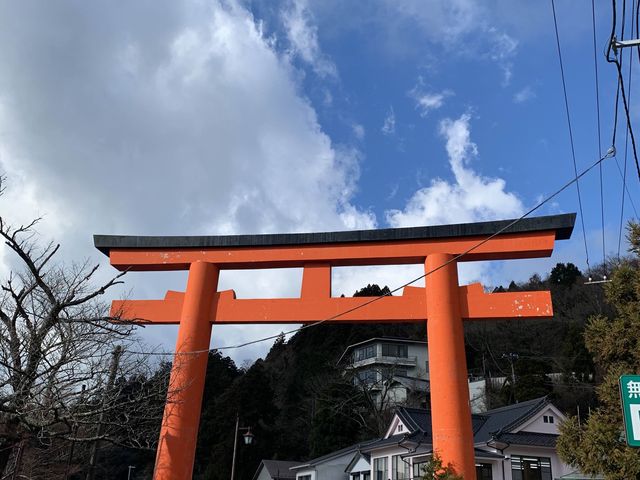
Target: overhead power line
(573,151)
(597,85)
(614,47)
(610,153)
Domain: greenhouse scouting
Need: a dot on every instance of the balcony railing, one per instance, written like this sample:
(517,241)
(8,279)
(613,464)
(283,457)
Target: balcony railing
(410,361)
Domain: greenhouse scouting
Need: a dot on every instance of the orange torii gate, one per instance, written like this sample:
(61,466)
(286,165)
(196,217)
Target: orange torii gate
(442,302)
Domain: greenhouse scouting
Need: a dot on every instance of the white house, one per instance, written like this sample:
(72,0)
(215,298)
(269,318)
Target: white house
(516,442)
(328,467)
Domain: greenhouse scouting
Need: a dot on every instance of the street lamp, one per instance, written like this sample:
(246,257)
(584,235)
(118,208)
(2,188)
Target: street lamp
(248,438)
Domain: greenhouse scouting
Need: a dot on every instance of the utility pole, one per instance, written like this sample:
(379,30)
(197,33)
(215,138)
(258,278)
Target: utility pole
(248,440)
(235,446)
(113,369)
(511,357)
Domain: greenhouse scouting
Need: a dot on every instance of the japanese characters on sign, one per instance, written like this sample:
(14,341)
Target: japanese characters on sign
(630,395)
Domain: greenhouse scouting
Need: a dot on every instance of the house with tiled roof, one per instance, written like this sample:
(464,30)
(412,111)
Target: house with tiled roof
(275,470)
(516,442)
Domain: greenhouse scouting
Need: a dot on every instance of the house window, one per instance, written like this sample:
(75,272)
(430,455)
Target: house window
(530,468)
(393,350)
(366,476)
(355,476)
(399,468)
(400,427)
(380,468)
(418,469)
(366,377)
(364,352)
(304,477)
(548,419)
(483,471)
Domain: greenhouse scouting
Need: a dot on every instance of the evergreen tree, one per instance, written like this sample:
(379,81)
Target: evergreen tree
(598,445)
(564,274)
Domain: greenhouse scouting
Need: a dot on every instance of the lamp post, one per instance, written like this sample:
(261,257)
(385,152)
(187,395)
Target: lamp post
(248,440)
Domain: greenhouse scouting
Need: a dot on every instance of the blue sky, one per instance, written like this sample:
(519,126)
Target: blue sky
(206,117)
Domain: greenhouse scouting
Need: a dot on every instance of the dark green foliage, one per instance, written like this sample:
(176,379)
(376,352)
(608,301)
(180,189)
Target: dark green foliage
(333,424)
(532,380)
(542,346)
(434,469)
(597,445)
(564,275)
(372,291)
(213,436)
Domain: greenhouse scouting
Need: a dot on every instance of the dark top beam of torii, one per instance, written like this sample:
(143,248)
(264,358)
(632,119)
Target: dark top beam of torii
(442,302)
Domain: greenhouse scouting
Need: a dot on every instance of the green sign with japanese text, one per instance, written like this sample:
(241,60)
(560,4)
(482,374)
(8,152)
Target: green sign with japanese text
(630,395)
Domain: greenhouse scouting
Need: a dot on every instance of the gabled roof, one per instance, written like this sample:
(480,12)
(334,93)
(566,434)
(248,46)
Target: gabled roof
(496,422)
(338,453)
(504,419)
(278,469)
(357,457)
(416,437)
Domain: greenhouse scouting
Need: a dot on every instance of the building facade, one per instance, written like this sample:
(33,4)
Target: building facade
(516,442)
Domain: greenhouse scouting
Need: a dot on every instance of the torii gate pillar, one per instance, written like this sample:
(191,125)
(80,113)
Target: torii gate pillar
(179,430)
(442,303)
(451,428)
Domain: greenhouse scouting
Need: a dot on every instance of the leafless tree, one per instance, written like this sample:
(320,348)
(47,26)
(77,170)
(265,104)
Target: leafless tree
(57,344)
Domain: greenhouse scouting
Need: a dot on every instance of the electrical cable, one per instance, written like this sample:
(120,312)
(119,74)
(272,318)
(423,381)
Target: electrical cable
(573,152)
(638,26)
(633,205)
(626,141)
(597,85)
(618,63)
(610,153)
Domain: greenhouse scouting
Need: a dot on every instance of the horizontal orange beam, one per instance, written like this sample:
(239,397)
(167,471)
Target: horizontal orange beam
(506,246)
(410,307)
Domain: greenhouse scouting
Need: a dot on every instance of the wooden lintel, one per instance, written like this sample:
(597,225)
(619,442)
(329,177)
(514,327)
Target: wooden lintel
(410,307)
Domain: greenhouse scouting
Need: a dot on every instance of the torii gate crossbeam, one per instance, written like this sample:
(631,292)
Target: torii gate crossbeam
(442,303)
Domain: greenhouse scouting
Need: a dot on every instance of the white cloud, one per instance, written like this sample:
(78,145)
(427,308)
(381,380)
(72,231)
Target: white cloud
(503,48)
(459,27)
(303,38)
(389,125)
(470,197)
(190,124)
(524,95)
(443,22)
(428,101)
(358,131)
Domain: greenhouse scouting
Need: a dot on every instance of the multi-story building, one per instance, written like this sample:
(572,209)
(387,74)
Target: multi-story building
(396,371)
(393,370)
